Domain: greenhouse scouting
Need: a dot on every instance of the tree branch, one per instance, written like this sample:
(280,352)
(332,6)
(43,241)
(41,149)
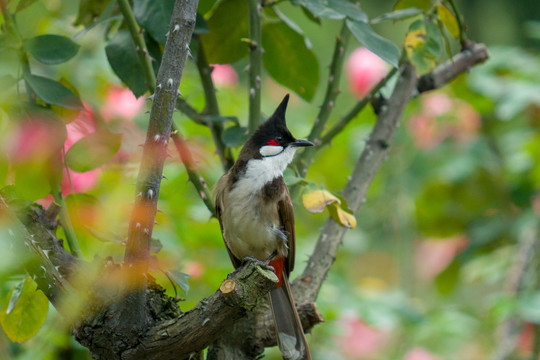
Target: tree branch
(473,55)
(306,286)
(255,64)
(133,315)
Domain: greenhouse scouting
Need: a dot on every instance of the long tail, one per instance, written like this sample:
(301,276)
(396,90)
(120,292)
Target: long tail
(291,340)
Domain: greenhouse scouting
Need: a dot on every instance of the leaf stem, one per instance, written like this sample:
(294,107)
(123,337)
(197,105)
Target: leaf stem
(255,59)
(140,45)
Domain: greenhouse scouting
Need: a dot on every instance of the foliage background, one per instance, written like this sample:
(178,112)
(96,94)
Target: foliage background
(427,273)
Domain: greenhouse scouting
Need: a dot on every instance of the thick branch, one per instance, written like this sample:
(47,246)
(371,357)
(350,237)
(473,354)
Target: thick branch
(133,314)
(196,329)
(307,286)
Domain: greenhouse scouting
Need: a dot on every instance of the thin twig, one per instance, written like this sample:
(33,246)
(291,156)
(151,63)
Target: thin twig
(255,64)
(304,159)
(140,44)
(212,107)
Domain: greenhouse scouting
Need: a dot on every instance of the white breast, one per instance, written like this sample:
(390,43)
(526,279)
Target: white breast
(249,221)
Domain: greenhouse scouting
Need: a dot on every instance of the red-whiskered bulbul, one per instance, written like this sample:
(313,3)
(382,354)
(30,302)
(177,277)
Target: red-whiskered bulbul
(256,215)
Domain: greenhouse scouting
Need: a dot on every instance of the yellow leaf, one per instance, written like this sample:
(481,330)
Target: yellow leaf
(448,20)
(341,216)
(414,40)
(317,200)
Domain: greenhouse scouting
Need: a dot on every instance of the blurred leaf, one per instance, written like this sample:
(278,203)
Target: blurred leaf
(310,16)
(383,48)
(93,151)
(125,63)
(205,6)
(397,15)
(448,20)
(90,9)
(234,136)
(291,179)
(316,201)
(155,246)
(341,216)
(31,180)
(51,49)
(154,16)
(529,307)
(52,92)
(299,69)
(223,44)
(28,312)
(180,279)
(446,281)
(333,9)
(201,27)
(419,4)
(23,4)
(422,45)
(14,298)
(84,210)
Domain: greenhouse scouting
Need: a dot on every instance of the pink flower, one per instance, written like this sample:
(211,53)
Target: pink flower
(359,339)
(224,75)
(424,131)
(364,70)
(121,103)
(35,139)
(436,104)
(434,255)
(418,353)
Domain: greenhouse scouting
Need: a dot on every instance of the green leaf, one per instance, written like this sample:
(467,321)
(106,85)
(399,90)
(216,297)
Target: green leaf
(397,15)
(219,119)
(223,44)
(125,63)
(333,9)
(23,4)
(419,4)
(180,279)
(51,49)
(93,151)
(28,310)
(90,9)
(297,68)
(235,136)
(154,16)
(380,46)
(448,19)
(201,27)
(447,280)
(52,92)
(529,307)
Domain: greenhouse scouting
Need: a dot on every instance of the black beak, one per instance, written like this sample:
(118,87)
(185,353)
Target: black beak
(301,143)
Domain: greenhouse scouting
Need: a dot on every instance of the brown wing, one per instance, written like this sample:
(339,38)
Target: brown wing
(286,215)
(220,188)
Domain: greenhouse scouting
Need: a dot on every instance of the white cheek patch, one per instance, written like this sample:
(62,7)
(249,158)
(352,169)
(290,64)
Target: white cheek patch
(270,150)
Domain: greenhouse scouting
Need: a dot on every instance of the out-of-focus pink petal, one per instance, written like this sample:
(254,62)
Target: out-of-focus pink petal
(80,182)
(434,255)
(35,139)
(359,339)
(224,75)
(364,70)
(419,353)
(121,103)
(436,104)
(424,131)
(194,269)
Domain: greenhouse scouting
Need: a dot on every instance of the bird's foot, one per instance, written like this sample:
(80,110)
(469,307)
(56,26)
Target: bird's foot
(262,263)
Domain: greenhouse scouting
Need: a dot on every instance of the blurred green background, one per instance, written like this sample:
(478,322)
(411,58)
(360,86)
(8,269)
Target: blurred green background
(429,271)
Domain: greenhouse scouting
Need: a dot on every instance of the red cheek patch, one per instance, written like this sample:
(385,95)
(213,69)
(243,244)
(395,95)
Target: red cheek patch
(273,142)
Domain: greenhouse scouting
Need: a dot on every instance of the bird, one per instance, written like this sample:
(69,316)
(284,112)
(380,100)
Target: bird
(255,213)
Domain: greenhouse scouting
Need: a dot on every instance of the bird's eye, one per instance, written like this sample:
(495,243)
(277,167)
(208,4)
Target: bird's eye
(273,142)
